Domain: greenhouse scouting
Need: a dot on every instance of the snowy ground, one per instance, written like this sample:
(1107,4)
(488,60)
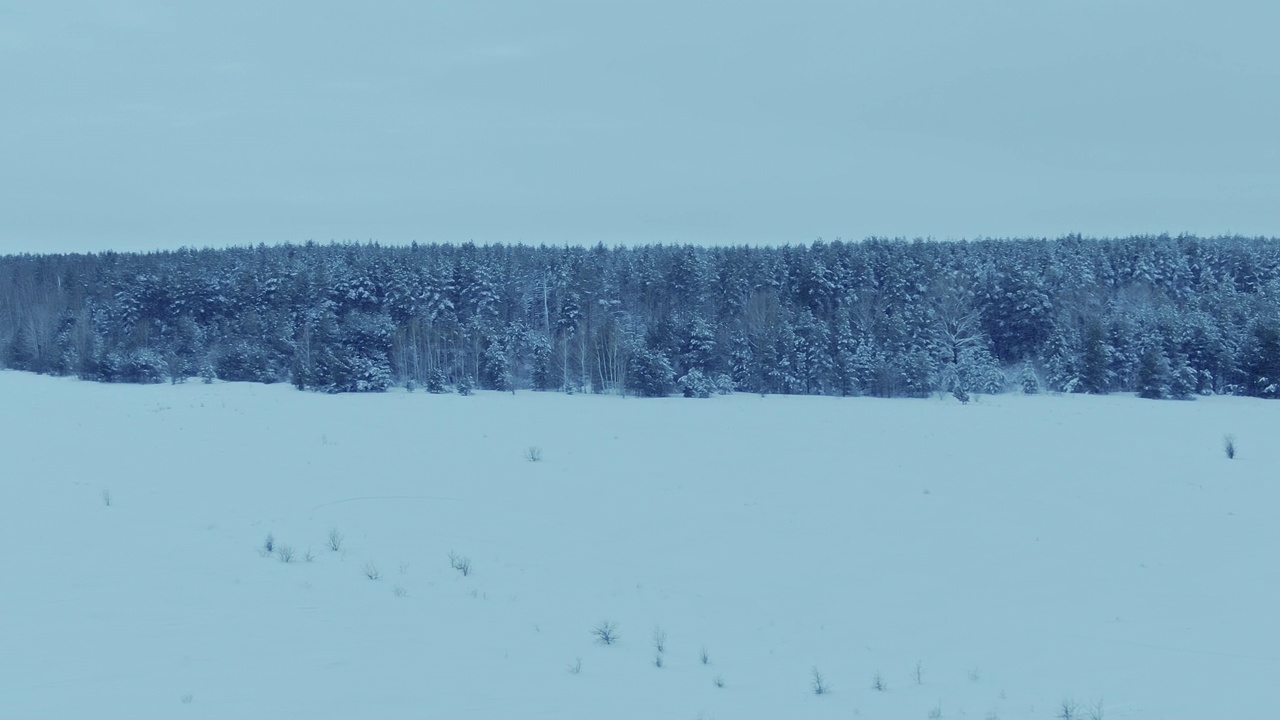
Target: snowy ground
(1022,550)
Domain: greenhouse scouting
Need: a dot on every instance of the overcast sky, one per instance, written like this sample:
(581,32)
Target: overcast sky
(134,124)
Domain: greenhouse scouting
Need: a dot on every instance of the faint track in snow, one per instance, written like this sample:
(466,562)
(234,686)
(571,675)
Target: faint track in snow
(387,497)
(1193,651)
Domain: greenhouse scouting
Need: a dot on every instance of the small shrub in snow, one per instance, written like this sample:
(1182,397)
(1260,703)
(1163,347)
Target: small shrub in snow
(269,544)
(436,382)
(533,453)
(694,384)
(1228,446)
(309,556)
(659,640)
(649,373)
(410,385)
(1094,711)
(724,384)
(1067,710)
(335,539)
(285,552)
(606,633)
(1028,380)
(817,683)
(935,712)
(975,675)
(961,394)
(399,591)
(459,563)
(137,366)
(466,386)
(877,682)
(657,660)
(719,681)
(106,498)
(187,698)
(371,571)
(576,667)
(918,674)
(978,370)
(207,373)
(704,657)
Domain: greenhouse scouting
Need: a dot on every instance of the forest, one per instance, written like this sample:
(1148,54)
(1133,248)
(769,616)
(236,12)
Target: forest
(1161,316)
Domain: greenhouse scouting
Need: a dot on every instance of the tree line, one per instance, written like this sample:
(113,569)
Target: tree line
(1162,316)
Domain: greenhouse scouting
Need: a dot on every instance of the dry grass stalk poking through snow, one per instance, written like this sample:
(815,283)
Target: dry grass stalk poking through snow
(335,539)
(1228,446)
(371,570)
(285,553)
(533,453)
(106,498)
(818,683)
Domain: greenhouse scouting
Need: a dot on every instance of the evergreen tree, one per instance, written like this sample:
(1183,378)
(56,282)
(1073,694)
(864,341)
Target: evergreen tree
(1028,380)
(1095,359)
(649,373)
(1262,366)
(437,382)
(1154,375)
(978,371)
(465,385)
(694,384)
(1182,380)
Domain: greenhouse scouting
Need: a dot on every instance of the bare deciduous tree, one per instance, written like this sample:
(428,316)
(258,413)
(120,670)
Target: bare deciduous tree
(606,633)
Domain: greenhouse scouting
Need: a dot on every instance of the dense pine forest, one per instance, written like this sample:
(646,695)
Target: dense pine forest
(1164,317)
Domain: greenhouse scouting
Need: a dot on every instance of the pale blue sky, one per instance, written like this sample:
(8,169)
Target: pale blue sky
(135,124)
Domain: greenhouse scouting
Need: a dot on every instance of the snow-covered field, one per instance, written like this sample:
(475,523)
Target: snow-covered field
(1019,551)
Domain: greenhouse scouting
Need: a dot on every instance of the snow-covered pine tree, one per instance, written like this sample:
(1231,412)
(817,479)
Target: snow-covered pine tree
(437,381)
(649,373)
(1182,379)
(1028,380)
(1153,374)
(465,385)
(694,384)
